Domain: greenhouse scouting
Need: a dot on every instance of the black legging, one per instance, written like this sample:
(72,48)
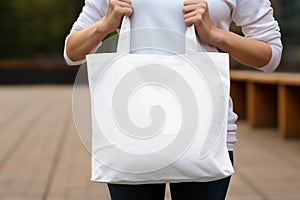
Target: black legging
(213,190)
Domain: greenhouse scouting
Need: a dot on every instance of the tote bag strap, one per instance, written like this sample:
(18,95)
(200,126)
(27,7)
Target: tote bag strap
(124,36)
(192,45)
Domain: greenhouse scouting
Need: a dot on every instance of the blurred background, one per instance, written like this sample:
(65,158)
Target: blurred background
(41,155)
(32,38)
(33,33)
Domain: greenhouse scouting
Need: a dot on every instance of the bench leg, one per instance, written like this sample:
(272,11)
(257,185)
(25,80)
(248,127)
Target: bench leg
(289,111)
(261,104)
(238,95)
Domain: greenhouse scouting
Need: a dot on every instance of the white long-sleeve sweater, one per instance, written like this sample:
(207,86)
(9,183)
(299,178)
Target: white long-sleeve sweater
(255,18)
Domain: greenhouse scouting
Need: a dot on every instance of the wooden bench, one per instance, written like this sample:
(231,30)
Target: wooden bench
(36,71)
(268,99)
(41,64)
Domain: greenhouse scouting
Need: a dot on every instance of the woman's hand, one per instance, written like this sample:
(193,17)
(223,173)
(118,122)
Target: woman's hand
(247,51)
(196,12)
(115,11)
(82,42)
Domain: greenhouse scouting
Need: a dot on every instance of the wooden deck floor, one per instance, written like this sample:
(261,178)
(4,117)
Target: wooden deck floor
(42,158)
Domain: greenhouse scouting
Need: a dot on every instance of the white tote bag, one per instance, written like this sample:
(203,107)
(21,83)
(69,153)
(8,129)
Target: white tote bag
(159,118)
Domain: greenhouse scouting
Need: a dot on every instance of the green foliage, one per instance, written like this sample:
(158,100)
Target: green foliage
(35,28)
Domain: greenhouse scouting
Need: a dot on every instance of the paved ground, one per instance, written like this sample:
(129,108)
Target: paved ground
(42,158)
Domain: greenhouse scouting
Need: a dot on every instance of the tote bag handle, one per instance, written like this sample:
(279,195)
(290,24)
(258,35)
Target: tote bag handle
(192,45)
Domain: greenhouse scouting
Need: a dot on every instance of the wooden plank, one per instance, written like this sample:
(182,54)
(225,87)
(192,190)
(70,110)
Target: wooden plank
(11,106)
(73,172)
(258,77)
(75,159)
(18,111)
(289,79)
(42,64)
(29,168)
(238,75)
(261,77)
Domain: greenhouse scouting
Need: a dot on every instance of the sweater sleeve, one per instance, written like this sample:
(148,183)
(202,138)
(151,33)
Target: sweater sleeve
(92,11)
(257,22)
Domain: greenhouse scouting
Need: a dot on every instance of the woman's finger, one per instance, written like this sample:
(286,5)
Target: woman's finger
(121,3)
(191,20)
(191,2)
(190,14)
(126,1)
(190,8)
(124,4)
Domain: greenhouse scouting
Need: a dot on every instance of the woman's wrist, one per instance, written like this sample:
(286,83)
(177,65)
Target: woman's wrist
(216,37)
(103,28)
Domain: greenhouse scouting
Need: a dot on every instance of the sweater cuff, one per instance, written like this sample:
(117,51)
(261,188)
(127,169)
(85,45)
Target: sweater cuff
(274,61)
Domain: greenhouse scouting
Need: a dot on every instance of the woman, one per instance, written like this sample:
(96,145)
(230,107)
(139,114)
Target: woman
(260,48)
